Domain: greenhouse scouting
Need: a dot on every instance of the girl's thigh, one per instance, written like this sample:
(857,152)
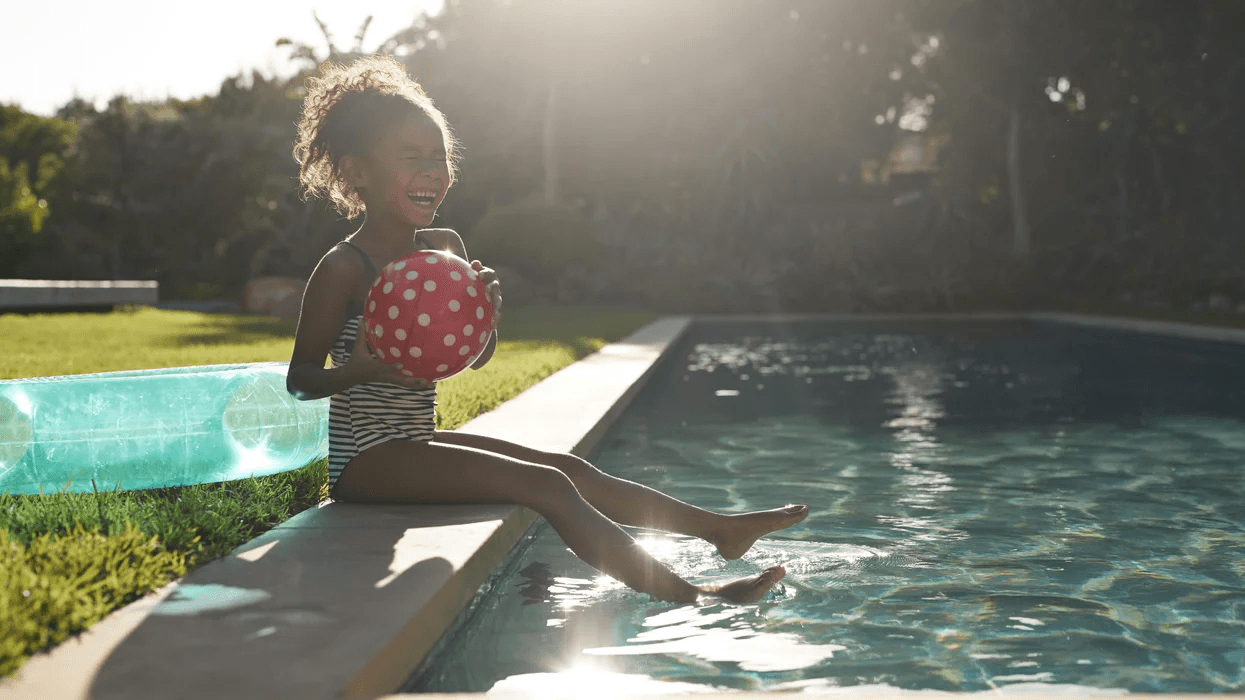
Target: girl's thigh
(496,445)
(436,472)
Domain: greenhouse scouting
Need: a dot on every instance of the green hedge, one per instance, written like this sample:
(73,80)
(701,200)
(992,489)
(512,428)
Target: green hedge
(539,240)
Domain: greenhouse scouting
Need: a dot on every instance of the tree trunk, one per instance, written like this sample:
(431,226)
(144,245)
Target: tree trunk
(1015,183)
(552,194)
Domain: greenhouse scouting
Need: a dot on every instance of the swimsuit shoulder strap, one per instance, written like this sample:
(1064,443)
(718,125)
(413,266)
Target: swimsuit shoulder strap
(422,243)
(367,259)
(356,306)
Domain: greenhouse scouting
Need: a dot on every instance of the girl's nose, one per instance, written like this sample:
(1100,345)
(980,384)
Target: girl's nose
(432,166)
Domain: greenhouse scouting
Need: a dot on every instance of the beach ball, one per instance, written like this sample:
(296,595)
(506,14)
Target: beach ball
(427,315)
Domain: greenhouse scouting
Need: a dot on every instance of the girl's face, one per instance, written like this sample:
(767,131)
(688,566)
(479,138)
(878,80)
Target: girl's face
(408,172)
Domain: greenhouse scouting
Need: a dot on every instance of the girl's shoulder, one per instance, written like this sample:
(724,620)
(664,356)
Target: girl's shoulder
(343,265)
(443,239)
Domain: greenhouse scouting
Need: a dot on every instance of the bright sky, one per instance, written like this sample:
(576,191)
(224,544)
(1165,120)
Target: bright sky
(150,49)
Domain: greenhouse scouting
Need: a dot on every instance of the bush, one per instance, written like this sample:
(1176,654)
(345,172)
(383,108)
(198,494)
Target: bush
(545,243)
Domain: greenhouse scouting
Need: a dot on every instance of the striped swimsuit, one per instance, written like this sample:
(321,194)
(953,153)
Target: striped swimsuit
(370,414)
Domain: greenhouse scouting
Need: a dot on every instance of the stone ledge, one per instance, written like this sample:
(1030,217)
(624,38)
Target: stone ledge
(1136,325)
(27,294)
(341,600)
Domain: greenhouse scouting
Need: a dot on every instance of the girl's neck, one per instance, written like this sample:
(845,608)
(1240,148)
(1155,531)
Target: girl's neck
(394,238)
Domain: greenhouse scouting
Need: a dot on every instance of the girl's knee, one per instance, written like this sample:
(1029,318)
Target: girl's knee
(572,466)
(550,488)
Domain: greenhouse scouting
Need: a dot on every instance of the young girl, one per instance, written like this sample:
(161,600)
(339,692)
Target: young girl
(371,141)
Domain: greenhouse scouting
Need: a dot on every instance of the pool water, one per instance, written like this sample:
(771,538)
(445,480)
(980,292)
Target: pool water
(991,504)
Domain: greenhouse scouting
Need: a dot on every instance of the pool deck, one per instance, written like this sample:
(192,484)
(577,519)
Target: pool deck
(345,600)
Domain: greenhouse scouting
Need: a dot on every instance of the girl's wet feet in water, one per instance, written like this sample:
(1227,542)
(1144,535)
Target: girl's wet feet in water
(748,590)
(741,531)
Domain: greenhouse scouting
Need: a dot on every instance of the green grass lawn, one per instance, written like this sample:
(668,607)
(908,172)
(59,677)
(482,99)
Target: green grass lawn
(66,560)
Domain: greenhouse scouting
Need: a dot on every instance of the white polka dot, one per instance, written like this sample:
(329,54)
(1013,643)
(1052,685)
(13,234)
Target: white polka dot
(454,305)
(480,312)
(455,275)
(430,259)
(424,319)
(414,351)
(471,291)
(399,265)
(371,305)
(378,331)
(484,337)
(393,312)
(395,352)
(408,373)
(412,275)
(464,350)
(399,334)
(472,274)
(449,339)
(387,288)
(399,365)
(442,368)
(430,286)
(468,329)
(408,294)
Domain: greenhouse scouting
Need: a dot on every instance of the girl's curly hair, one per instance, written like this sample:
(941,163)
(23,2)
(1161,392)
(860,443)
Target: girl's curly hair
(345,106)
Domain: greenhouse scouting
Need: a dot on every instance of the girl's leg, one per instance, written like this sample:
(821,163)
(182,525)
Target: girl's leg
(412,472)
(634,504)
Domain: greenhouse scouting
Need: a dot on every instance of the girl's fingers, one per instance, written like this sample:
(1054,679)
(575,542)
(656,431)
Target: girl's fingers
(496,309)
(412,382)
(360,352)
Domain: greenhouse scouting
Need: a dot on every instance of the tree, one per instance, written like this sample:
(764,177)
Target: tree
(32,153)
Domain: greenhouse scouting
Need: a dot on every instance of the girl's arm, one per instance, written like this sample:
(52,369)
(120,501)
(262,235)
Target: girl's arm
(487,354)
(449,240)
(325,302)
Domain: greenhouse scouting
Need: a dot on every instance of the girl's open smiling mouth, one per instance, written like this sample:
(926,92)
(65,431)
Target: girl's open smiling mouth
(424,198)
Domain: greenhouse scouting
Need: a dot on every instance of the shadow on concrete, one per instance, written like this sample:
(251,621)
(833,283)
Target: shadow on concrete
(298,611)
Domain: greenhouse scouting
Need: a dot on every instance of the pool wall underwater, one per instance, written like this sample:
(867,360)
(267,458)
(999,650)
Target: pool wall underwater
(345,601)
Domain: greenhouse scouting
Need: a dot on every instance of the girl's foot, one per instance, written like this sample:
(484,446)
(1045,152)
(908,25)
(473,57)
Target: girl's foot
(739,532)
(747,590)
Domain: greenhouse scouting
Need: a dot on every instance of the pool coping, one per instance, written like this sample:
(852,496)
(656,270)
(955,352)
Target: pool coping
(345,601)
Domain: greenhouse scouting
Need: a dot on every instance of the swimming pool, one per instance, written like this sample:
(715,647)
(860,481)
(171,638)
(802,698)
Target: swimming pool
(992,504)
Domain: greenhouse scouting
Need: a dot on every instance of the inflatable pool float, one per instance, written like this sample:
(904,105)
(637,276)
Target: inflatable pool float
(152,428)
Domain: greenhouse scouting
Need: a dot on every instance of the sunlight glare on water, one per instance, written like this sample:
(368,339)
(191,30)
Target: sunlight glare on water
(991,507)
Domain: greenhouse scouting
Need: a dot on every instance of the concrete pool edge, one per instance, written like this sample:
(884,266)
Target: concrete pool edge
(388,579)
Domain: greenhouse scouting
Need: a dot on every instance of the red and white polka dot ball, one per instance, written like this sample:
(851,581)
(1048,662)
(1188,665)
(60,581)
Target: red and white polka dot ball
(428,315)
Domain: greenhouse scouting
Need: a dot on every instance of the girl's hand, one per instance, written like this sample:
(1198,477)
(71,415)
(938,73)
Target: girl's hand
(364,368)
(492,288)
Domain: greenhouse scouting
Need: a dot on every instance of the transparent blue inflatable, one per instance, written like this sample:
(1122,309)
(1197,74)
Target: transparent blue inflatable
(152,428)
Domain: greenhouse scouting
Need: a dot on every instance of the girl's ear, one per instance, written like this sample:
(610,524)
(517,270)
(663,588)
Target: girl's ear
(352,169)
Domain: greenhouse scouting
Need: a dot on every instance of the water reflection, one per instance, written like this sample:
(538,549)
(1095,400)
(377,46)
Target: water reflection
(995,514)
(918,387)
